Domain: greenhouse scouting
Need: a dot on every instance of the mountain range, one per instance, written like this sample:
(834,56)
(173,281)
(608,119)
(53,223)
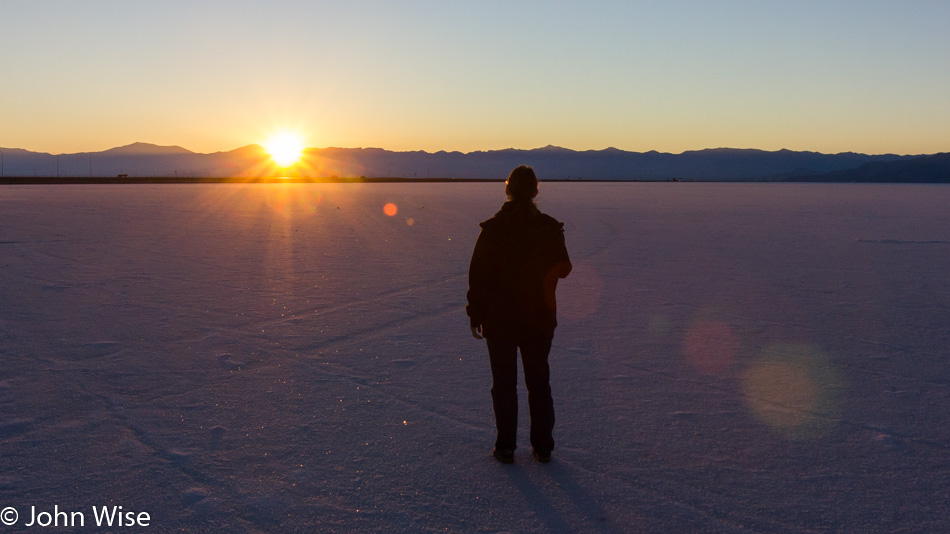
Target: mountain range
(140,160)
(934,169)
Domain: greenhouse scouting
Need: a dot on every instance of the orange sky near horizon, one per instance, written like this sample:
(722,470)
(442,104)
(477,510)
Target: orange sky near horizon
(862,77)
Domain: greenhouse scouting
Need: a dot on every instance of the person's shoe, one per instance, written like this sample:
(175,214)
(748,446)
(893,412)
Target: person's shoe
(541,456)
(505,456)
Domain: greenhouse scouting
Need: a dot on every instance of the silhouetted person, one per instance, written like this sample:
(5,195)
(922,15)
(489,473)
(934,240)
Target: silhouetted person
(518,259)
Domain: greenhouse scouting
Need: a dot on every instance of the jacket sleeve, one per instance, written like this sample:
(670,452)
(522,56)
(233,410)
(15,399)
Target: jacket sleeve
(563,266)
(478,281)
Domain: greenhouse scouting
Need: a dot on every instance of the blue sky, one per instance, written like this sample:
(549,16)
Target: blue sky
(671,76)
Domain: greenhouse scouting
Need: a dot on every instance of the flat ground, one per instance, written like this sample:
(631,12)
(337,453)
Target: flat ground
(287,357)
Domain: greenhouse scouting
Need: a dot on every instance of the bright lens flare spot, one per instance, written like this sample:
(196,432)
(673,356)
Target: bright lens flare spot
(390,209)
(285,149)
(791,388)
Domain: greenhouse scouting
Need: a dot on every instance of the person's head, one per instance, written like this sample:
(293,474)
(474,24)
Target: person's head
(522,184)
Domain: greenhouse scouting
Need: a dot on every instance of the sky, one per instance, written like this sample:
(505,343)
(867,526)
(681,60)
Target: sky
(865,76)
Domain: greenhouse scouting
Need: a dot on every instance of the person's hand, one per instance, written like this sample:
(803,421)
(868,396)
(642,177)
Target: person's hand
(477,332)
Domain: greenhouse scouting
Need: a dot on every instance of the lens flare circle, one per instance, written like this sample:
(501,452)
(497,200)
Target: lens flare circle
(791,388)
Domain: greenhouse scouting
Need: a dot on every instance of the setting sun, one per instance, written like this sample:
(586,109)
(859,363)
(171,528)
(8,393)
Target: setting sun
(285,149)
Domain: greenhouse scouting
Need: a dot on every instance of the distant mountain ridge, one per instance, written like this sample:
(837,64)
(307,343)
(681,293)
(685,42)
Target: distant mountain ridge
(551,163)
(147,149)
(934,169)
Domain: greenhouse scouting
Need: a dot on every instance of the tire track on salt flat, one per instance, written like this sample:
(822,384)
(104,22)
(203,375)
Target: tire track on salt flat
(351,375)
(352,337)
(311,314)
(179,461)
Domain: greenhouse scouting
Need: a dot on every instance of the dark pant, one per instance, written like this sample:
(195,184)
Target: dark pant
(503,353)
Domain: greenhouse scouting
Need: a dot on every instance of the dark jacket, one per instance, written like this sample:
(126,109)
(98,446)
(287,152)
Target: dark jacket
(518,259)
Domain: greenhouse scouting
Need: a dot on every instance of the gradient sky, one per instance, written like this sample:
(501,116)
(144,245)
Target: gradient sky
(831,76)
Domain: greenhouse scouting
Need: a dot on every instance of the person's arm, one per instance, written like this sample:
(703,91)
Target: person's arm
(563,267)
(477,286)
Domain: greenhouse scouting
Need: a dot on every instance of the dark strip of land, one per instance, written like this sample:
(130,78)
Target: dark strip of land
(42,180)
(53,180)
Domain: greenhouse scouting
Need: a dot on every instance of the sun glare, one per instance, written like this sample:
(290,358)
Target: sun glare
(285,149)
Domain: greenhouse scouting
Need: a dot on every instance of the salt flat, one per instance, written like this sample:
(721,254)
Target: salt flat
(731,358)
